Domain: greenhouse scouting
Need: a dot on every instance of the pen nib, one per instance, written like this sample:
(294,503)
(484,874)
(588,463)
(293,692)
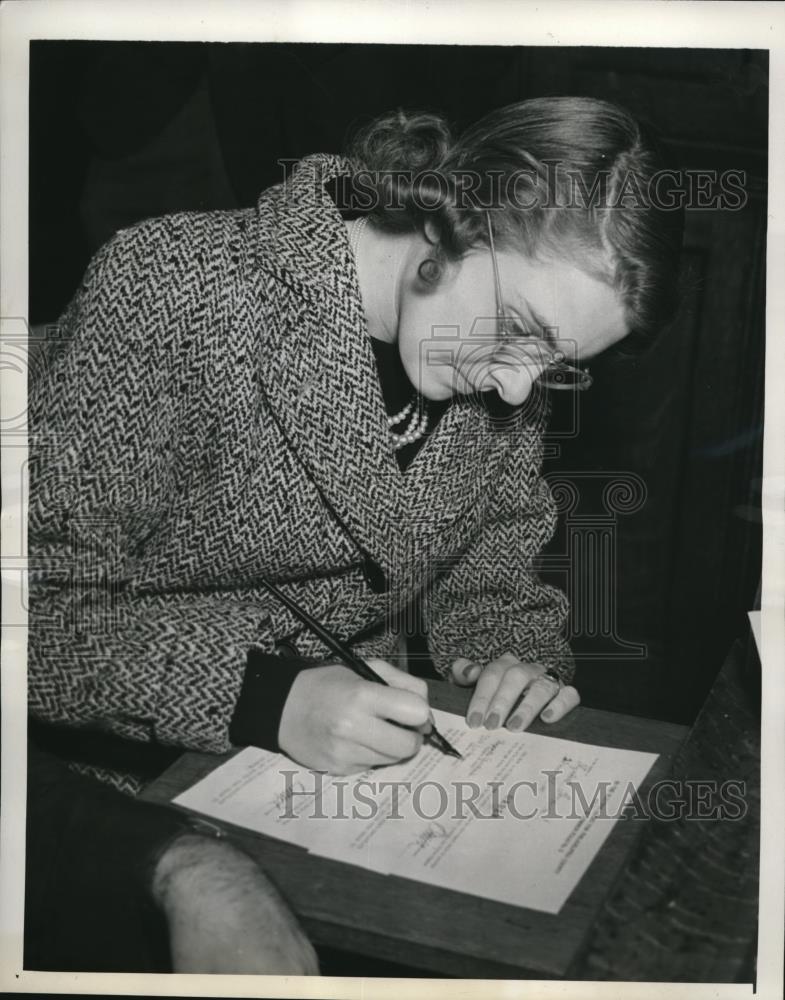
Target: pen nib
(437,740)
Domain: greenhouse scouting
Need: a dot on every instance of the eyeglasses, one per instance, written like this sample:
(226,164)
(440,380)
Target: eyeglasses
(557,374)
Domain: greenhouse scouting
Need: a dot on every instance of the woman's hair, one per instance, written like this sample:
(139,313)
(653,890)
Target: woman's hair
(570,177)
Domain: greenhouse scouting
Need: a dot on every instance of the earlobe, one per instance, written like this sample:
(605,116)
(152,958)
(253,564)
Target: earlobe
(429,270)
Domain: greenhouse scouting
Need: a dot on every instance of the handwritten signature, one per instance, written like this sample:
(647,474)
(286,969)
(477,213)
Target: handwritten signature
(434,831)
(283,800)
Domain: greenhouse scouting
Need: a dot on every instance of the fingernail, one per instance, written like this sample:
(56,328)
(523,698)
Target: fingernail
(547,714)
(492,721)
(470,671)
(515,723)
(474,720)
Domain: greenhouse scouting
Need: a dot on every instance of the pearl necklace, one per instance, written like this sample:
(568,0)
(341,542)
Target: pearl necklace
(415,429)
(418,422)
(358,228)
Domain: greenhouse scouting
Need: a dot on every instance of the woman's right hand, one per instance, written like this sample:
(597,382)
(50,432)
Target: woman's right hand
(335,721)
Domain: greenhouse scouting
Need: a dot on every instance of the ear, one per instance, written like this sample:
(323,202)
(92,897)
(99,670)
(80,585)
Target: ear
(431,231)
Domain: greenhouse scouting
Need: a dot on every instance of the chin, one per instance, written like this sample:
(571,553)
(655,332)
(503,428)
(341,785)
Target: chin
(432,389)
(437,393)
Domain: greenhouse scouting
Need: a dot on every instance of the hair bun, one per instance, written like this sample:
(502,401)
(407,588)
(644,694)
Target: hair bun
(402,141)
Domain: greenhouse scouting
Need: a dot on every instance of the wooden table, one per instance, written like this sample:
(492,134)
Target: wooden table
(437,930)
(685,909)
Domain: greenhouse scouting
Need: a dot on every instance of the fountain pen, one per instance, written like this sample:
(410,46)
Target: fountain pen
(359,666)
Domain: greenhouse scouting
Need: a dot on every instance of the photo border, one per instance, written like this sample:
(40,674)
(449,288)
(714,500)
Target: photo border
(649,23)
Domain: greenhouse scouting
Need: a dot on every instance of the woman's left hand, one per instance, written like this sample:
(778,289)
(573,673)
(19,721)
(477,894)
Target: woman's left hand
(497,698)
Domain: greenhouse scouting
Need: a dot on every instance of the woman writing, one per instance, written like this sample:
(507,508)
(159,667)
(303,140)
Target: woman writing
(297,393)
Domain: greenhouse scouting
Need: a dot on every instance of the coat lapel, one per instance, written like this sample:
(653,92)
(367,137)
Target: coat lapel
(319,377)
(318,371)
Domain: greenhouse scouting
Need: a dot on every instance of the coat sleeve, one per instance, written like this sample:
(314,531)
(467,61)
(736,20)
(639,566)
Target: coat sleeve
(491,599)
(104,650)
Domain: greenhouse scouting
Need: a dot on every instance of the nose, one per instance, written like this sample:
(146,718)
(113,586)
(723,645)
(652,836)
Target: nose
(513,389)
(514,372)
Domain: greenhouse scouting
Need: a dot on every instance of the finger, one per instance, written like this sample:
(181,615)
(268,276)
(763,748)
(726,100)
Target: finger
(541,692)
(399,678)
(392,742)
(396,705)
(517,677)
(486,687)
(464,672)
(565,701)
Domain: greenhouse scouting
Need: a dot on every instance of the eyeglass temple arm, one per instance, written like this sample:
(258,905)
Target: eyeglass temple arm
(496,280)
(585,379)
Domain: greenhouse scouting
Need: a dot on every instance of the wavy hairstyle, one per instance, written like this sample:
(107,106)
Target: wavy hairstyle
(563,176)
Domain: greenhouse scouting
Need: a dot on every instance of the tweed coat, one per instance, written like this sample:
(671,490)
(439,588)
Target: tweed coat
(210,414)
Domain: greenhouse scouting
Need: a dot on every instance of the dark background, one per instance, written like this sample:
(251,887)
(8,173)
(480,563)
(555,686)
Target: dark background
(123,131)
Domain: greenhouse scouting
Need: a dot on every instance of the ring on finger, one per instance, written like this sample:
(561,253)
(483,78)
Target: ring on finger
(551,675)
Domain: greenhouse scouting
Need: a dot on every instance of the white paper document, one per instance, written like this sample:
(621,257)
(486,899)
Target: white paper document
(755,623)
(518,819)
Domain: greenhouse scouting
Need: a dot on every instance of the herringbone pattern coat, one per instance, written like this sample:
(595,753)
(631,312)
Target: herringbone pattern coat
(211,396)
